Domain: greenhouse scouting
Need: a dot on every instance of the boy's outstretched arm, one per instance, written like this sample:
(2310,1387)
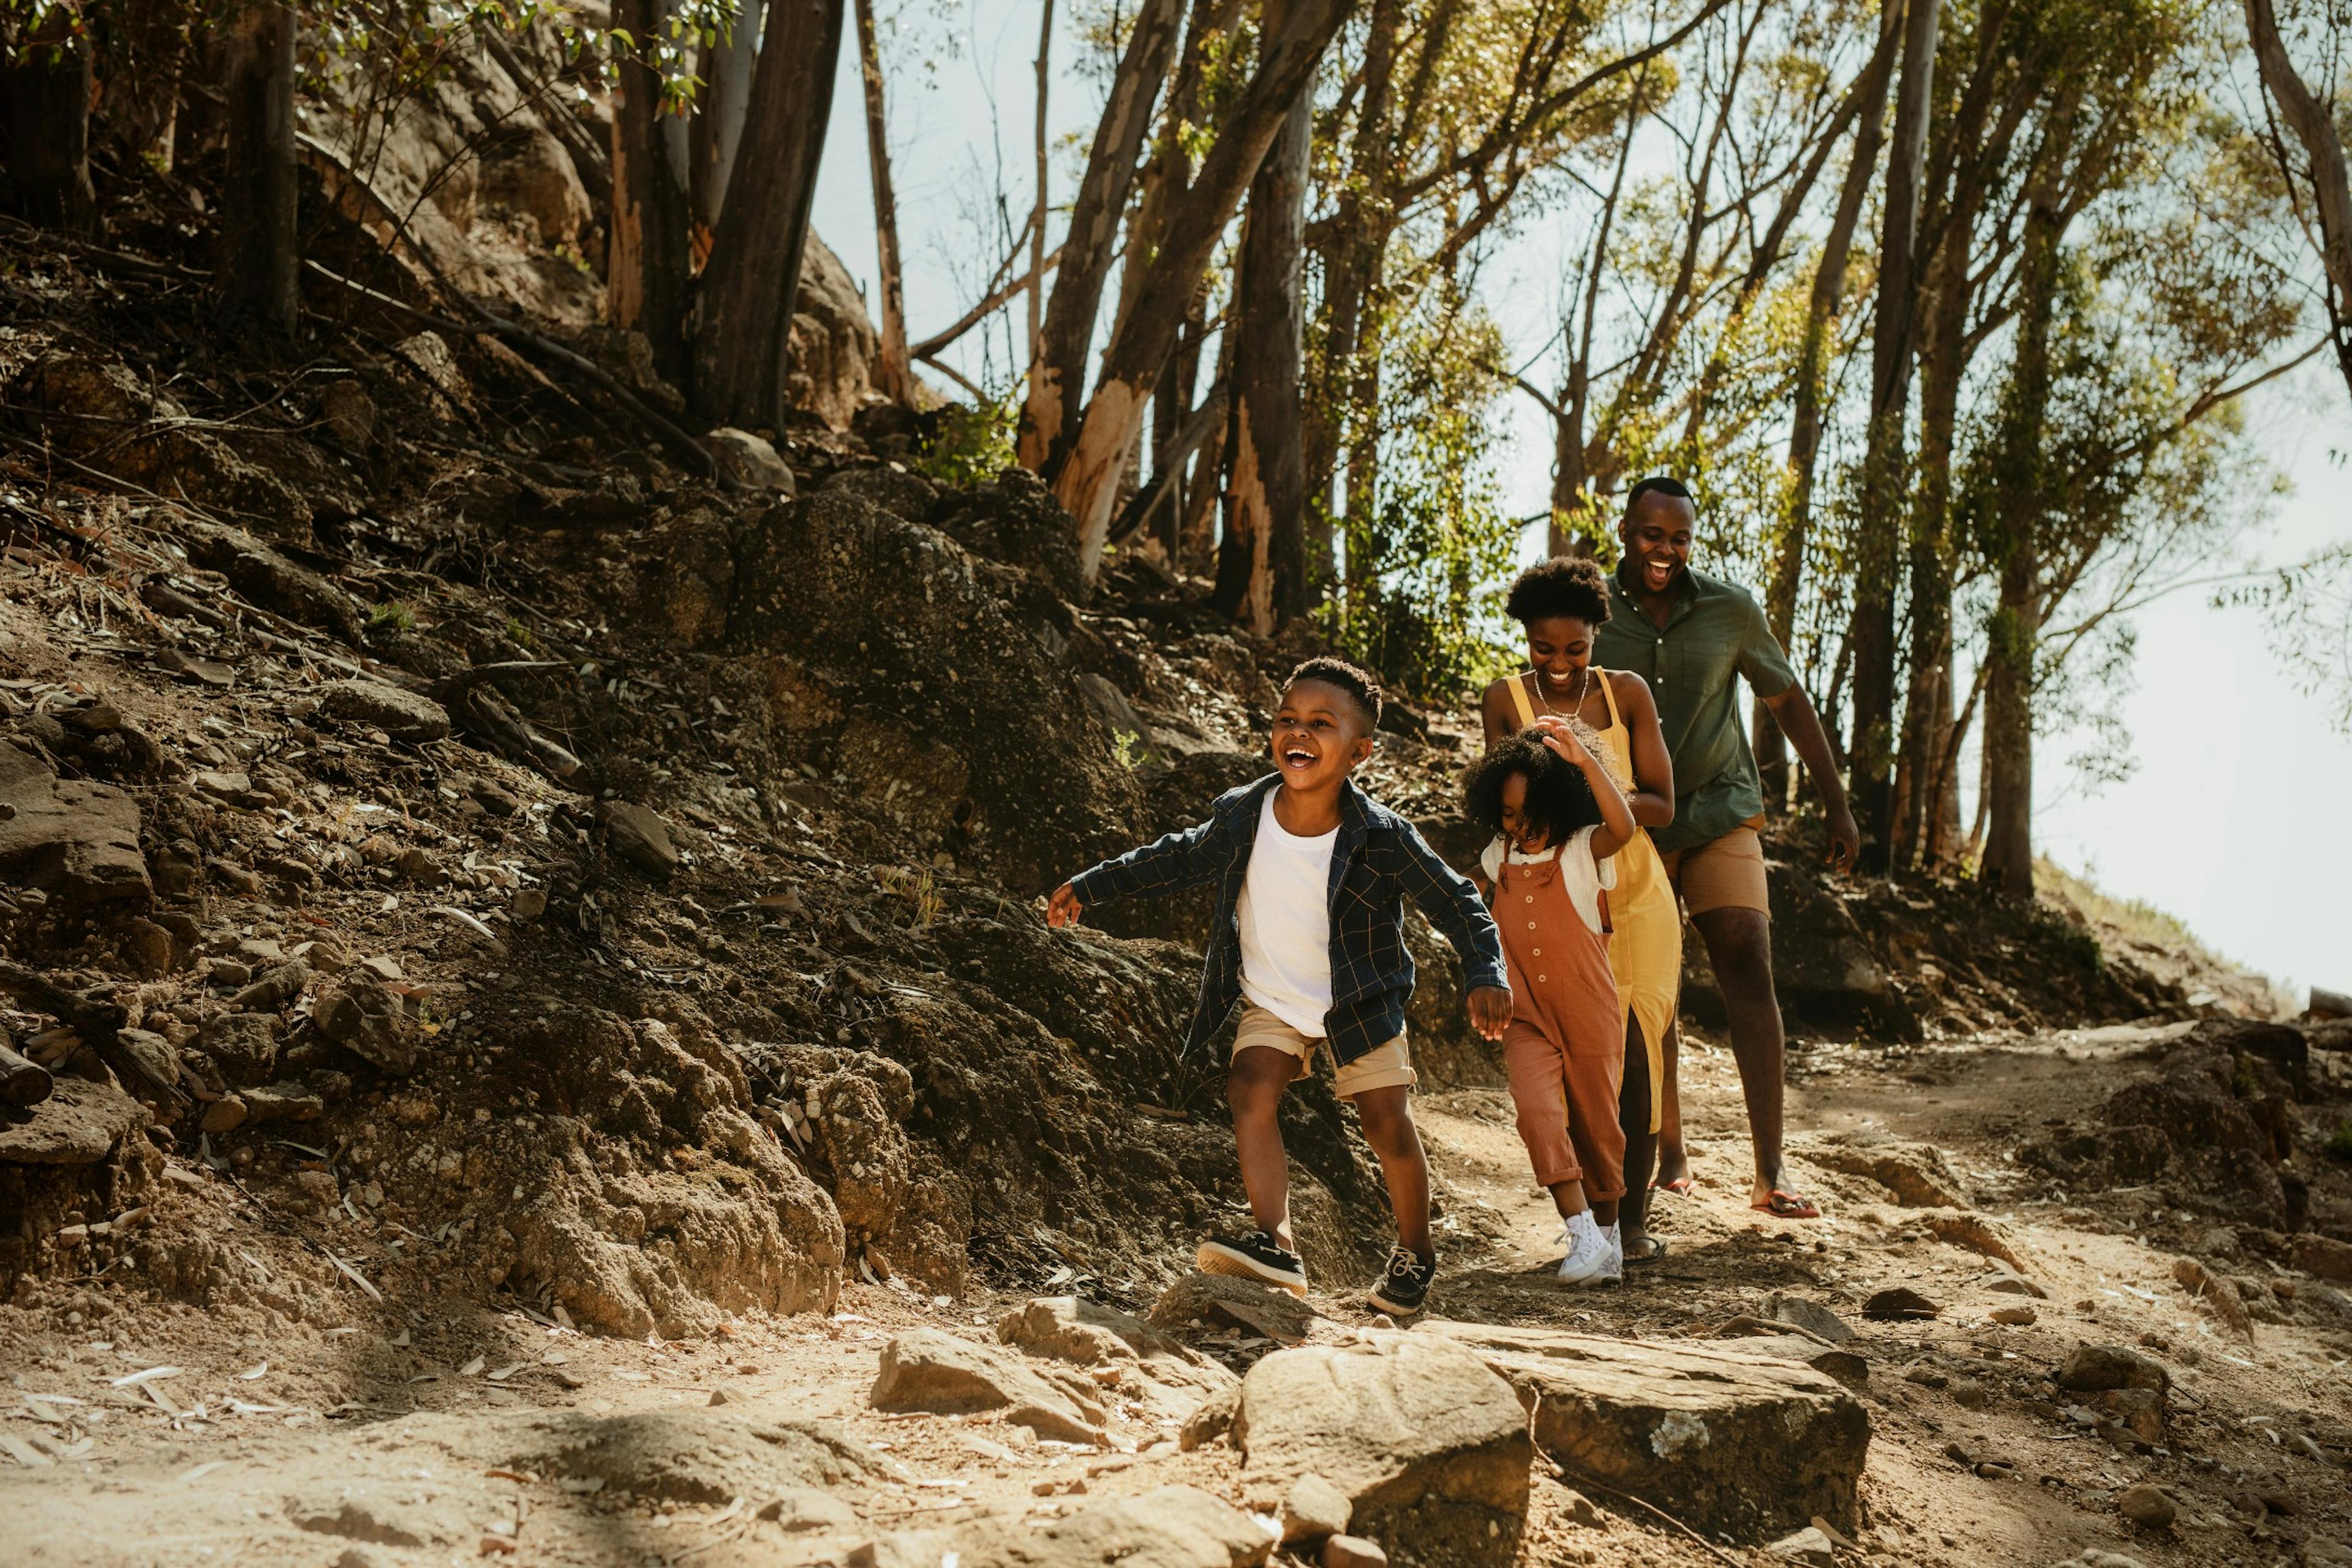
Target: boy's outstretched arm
(1447,897)
(1169,864)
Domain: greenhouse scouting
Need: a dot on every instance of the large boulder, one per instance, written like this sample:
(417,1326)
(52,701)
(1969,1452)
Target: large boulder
(832,341)
(695,1456)
(1725,1441)
(75,841)
(1162,1375)
(1173,1526)
(928,1369)
(1430,1445)
(79,1124)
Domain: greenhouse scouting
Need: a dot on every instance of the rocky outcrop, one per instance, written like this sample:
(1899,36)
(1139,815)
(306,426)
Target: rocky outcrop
(73,841)
(1429,1445)
(1172,1527)
(1725,1442)
(832,341)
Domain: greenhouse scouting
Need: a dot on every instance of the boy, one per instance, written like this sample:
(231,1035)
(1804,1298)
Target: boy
(1309,935)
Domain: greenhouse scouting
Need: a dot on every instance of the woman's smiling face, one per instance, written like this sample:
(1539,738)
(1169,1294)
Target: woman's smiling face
(1559,646)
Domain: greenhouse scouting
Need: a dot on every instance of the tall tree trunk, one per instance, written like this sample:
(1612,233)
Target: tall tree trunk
(2020,497)
(261,258)
(1290,42)
(1197,531)
(1040,174)
(718,131)
(1360,222)
(1943,363)
(1570,480)
(891,371)
(1812,376)
(743,323)
(2316,128)
(1057,372)
(649,265)
(1870,757)
(48,126)
(1171,408)
(1266,487)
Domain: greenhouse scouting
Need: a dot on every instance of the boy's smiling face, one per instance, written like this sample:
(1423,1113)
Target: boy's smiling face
(1320,734)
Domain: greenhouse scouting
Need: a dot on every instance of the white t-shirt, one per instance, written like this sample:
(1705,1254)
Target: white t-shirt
(1285,924)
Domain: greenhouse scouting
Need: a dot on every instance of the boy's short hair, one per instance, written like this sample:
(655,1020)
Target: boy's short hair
(1560,799)
(1356,682)
(1657,485)
(1571,585)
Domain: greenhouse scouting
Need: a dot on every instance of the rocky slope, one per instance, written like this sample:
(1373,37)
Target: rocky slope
(514,928)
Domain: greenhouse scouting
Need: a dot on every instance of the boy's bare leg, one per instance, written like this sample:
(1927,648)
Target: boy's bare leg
(1387,1115)
(1253,1086)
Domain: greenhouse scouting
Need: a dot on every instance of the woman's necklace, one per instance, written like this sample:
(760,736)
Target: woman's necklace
(1583,693)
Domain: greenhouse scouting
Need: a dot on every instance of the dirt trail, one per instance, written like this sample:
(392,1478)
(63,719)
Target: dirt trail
(418,1433)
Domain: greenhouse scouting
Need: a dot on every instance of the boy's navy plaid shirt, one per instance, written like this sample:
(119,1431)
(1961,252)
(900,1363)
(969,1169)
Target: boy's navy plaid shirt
(1378,857)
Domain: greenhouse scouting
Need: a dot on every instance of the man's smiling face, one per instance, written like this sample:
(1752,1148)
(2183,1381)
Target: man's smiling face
(1658,538)
(1320,733)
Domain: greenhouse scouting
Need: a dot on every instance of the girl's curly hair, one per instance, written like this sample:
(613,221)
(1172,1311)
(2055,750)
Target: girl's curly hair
(1560,801)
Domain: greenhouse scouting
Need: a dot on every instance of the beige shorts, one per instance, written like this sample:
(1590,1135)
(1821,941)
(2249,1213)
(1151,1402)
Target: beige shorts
(1726,873)
(1382,1067)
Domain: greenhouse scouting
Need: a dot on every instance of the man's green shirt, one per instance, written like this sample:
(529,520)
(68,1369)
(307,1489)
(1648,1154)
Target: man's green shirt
(1716,632)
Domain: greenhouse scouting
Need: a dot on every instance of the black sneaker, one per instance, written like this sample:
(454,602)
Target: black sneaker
(1256,1255)
(1404,1286)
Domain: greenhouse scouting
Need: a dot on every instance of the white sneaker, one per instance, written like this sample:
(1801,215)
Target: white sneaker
(1612,1267)
(1587,1249)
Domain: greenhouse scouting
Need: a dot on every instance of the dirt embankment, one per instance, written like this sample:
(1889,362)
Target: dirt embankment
(487,899)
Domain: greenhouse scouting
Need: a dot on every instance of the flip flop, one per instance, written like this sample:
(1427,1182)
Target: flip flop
(1680,1186)
(1649,1249)
(1781,1204)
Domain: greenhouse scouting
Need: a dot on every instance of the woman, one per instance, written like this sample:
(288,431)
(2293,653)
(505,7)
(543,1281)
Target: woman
(1561,603)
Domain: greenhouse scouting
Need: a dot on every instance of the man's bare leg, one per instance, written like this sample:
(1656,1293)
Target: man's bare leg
(1740,948)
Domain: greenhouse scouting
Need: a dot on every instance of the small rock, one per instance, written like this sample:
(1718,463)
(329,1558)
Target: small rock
(226,1114)
(1969,1393)
(234,877)
(227,972)
(419,866)
(2095,1367)
(1808,1546)
(228,786)
(2137,1411)
(2092,1557)
(528,903)
(1580,1510)
(745,460)
(2146,1506)
(719,1396)
(1899,1304)
(1810,1316)
(1995,1469)
(276,988)
(403,715)
(369,1022)
(493,798)
(2016,1317)
(1925,1374)
(799,1509)
(243,1046)
(1353,1552)
(148,946)
(350,413)
(1221,1300)
(2006,1284)
(1313,1509)
(639,836)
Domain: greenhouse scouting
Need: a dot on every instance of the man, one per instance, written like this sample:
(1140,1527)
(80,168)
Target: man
(1690,635)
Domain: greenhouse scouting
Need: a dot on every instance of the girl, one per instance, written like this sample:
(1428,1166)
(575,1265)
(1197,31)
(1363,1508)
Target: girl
(1557,818)
(1562,602)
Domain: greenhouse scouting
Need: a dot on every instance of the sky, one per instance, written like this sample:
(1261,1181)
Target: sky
(2234,817)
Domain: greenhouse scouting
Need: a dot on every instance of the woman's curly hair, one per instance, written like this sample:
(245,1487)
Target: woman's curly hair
(1560,801)
(1569,586)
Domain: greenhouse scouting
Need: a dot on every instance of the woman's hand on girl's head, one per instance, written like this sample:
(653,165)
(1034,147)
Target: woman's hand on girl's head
(1563,741)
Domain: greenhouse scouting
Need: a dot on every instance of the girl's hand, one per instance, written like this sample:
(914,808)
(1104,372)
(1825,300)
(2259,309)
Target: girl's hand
(1490,1010)
(1063,908)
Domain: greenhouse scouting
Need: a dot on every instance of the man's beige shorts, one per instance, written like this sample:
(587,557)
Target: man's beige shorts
(1382,1067)
(1726,873)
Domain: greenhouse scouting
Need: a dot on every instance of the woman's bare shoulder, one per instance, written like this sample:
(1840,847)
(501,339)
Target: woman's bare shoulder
(1629,688)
